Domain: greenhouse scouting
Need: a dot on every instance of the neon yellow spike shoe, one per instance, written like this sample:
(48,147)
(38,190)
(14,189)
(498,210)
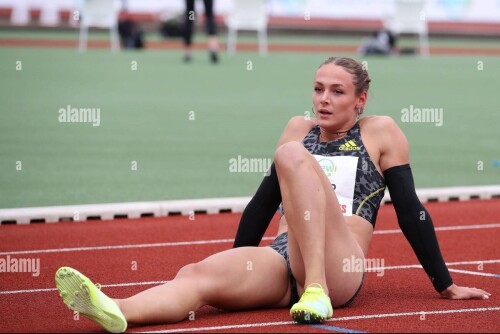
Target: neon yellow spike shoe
(82,296)
(313,307)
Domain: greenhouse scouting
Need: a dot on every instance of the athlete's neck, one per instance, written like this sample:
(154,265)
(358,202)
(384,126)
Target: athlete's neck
(329,135)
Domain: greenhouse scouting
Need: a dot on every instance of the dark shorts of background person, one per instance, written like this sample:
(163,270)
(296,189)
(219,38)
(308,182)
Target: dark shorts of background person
(280,245)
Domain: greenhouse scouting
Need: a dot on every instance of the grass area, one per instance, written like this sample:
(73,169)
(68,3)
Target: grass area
(168,130)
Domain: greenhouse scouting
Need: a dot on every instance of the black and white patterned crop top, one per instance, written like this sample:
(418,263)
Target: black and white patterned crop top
(357,183)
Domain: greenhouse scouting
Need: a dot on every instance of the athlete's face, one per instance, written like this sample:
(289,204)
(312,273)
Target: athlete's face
(334,97)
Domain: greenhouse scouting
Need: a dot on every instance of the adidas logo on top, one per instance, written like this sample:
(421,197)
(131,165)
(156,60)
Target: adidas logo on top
(349,146)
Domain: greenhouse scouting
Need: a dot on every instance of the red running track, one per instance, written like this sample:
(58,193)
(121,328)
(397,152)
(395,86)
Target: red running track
(148,250)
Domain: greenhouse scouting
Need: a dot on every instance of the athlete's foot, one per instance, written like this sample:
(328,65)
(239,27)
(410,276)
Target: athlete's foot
(313,307)
(82,296)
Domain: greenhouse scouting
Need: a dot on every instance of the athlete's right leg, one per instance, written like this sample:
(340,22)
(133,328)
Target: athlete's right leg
(240,278)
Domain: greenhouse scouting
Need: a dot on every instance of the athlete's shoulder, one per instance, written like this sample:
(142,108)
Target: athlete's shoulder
(296,129)
(300,122)
(390,140)
(379,123)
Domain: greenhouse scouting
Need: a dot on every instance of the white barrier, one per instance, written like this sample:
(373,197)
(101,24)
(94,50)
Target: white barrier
(209,206)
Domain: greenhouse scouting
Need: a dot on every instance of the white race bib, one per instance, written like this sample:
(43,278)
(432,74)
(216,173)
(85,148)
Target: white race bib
(341,171)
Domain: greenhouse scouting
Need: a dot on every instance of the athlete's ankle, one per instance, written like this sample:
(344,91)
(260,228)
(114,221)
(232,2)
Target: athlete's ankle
(317,284)
(122,305)
(117,301)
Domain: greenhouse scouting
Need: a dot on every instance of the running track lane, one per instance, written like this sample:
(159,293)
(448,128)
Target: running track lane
(398,291)
(163,45)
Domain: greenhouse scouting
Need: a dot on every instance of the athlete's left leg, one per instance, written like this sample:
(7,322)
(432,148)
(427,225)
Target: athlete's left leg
(319,240)
(235,279)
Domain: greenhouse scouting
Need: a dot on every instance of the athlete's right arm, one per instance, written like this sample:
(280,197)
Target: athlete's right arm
(259,211)
(262,207)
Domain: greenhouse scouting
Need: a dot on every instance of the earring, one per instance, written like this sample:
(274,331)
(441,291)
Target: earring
(359,112)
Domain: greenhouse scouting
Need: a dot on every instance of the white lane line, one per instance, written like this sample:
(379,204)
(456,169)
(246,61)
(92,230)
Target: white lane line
(214,328)
(418,266)
(204,242)
(102,286)
(446,228)
(477,273)
(26,291)
(282,323)
(409,266)
(471,262)
(388,315)
(92,248)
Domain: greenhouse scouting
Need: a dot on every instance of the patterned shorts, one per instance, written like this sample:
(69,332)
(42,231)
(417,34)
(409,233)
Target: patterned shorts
(280,244)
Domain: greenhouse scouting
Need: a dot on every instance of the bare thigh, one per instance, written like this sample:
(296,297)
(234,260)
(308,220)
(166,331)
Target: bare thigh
(340,244)
(243,278)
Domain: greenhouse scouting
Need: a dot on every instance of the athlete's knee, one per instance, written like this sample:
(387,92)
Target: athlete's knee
(192,270)
(203,271)
(290,155)
(208,280)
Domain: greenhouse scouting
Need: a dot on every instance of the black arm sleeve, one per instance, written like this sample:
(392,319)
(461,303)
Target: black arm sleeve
(259,211)
(416,224)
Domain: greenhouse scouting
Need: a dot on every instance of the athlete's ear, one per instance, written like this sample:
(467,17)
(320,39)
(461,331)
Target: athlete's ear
(360,104)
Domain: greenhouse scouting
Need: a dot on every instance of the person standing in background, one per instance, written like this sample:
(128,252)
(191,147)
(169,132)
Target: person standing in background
(211,29)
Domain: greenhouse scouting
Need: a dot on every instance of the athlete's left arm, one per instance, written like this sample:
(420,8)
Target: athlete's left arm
(413,218)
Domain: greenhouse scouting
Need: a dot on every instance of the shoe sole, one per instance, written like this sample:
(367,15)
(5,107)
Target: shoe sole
(306,317)
(74,289)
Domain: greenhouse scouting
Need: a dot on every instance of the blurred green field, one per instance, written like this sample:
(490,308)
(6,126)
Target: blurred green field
(240,108)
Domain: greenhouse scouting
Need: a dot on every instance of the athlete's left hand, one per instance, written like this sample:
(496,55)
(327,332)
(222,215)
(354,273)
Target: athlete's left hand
(462,292)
